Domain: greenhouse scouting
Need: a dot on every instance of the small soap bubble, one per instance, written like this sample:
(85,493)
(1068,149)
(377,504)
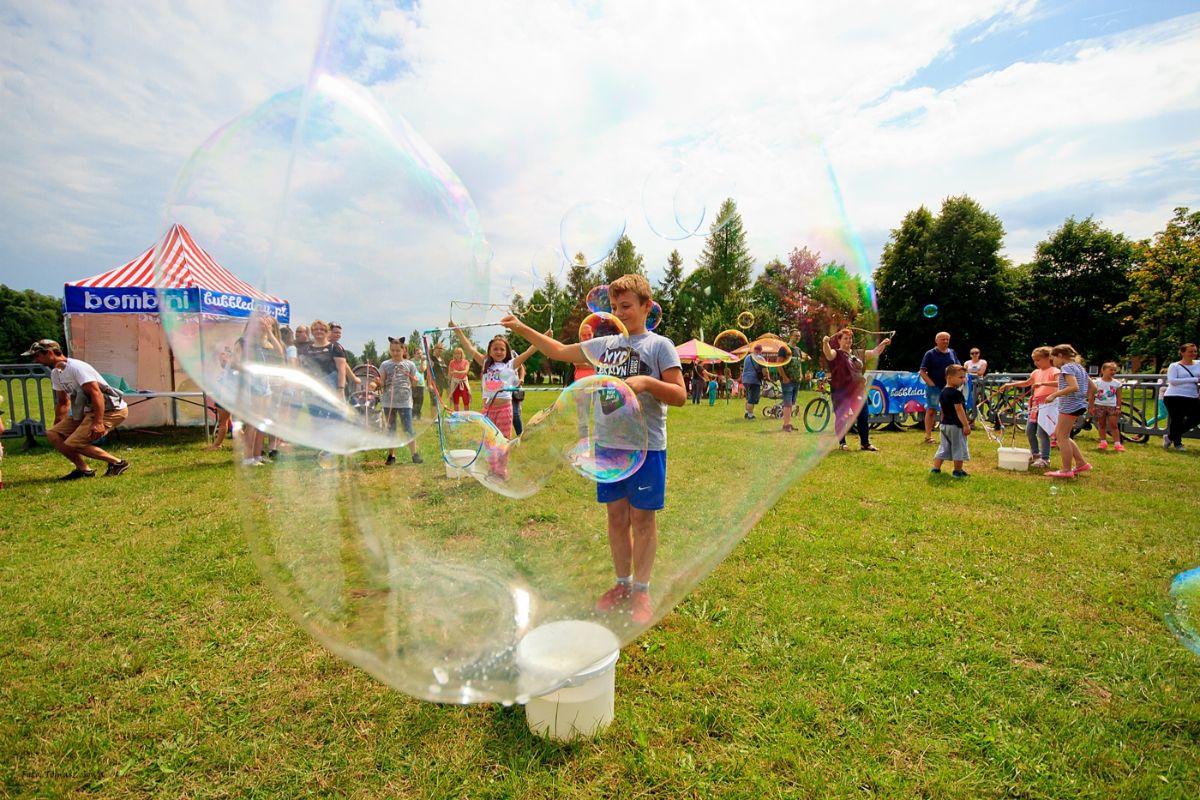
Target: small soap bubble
(597,299)
(745,320)
(730,340)
(930,311)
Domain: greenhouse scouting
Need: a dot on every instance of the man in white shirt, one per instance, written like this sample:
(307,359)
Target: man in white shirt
(86,408)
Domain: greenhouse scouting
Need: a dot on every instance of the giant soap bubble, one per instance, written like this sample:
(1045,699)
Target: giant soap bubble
(354,198)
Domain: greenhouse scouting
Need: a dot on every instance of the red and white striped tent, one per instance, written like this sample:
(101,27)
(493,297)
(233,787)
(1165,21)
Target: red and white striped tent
(113,320)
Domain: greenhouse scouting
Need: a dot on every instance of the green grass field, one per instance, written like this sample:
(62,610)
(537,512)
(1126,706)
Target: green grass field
(879,632)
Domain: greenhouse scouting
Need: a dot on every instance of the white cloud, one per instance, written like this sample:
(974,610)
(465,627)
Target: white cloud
(541,104)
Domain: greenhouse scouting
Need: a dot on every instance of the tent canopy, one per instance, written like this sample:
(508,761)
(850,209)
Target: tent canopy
(193,282)
(696,350)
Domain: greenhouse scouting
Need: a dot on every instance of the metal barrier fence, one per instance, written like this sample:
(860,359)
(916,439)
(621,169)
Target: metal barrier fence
(26,383)
(1142,413)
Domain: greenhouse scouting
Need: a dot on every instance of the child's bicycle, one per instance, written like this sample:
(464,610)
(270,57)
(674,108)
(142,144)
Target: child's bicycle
(819,410)
(771,391)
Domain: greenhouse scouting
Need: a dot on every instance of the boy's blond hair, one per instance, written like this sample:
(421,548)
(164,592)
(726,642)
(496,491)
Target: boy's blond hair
(631,283)
(1040,352)
(955,369)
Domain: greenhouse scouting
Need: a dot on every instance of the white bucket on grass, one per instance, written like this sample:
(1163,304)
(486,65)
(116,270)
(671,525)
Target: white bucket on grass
(584,703)
(458,462)
(1014,458)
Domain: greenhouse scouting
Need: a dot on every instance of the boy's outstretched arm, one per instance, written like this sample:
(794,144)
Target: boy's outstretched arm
(546,344)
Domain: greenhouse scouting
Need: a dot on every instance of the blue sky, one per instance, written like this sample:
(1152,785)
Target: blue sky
(1039,110)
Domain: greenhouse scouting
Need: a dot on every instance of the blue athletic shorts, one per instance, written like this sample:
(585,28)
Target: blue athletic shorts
(933,398)
(753,392)
(645,489)
(789,393)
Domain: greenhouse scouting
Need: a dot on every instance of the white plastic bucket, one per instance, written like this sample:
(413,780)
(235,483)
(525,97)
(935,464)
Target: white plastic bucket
(1014,458)
(584,703)
(458,462)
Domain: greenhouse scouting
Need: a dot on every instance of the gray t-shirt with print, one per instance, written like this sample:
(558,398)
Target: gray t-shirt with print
(396,389)
(651,355)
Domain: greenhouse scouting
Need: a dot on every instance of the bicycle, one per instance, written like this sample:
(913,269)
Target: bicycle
(819,410)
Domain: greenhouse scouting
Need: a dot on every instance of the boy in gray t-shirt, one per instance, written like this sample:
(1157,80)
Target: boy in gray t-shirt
(395,386)
(650,366)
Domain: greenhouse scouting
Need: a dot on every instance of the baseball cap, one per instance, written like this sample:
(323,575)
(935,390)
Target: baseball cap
(42,346)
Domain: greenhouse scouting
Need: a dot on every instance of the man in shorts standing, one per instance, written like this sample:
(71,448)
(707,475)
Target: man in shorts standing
(86,408)
(933,372)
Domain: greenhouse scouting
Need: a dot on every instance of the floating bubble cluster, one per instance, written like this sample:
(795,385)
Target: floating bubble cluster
(430,572)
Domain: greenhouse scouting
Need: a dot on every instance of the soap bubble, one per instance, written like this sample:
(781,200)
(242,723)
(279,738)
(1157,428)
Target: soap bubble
(548,262)
(681,200)
(730,340)
(597,299)
(745,320)
(612,351)
(591,230)
(430,575)
(930,311)
(654,318)
(1183,613)
(770,352)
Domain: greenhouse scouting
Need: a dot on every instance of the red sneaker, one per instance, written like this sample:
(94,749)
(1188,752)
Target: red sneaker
(616,596)
(643,612)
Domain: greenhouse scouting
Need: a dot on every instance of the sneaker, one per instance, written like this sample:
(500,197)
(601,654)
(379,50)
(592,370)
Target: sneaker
(417,458)
(1102,446)
(843,447)
(616,596)
(1119,448)
(960,473)
(76,474)
(935,471)
(788,428)
(1040,463)
(390,461)
(251,462)
(1179,448)
(643,612)
(116,469)
(1082,468)
(1060,473)
(749,415)
(870,448)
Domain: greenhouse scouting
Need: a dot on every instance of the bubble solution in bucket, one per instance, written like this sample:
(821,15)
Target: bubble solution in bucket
(458,462)
(1014,458)
(583,704)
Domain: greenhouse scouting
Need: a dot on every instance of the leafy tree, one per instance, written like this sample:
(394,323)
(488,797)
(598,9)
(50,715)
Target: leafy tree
(1164,303)
(25,317)
(951,261)
(725,266)
(370,352)
(580,280)
(666,294)
(623,260)
(1076,279)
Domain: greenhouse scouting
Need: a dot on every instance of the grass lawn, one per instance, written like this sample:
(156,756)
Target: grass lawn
(878,632)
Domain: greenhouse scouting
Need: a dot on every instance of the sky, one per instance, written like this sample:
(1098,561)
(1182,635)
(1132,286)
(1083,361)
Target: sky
(442,149)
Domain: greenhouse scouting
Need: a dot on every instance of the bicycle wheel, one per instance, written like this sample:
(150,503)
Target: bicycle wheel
(816,415)
(1132,417)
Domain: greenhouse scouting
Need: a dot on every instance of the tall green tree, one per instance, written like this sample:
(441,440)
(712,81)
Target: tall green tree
(950,261)
(666,294)
(580,280)
(623,260)
(725,267)
(25,317)
(1077,278)
(370,351)
(1163,308)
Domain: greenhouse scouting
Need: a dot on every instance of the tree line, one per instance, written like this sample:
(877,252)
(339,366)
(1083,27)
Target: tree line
(1112,297)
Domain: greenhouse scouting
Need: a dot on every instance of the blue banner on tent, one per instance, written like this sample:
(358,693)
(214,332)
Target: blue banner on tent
(134,300)
(904,393)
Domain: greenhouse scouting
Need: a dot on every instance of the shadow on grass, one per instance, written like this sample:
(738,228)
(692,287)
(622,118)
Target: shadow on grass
(511,742)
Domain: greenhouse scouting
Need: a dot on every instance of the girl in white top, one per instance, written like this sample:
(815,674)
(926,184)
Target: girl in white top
(1105,407)
(1182,397)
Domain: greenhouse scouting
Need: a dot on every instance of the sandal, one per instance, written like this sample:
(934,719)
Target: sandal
(871,448)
